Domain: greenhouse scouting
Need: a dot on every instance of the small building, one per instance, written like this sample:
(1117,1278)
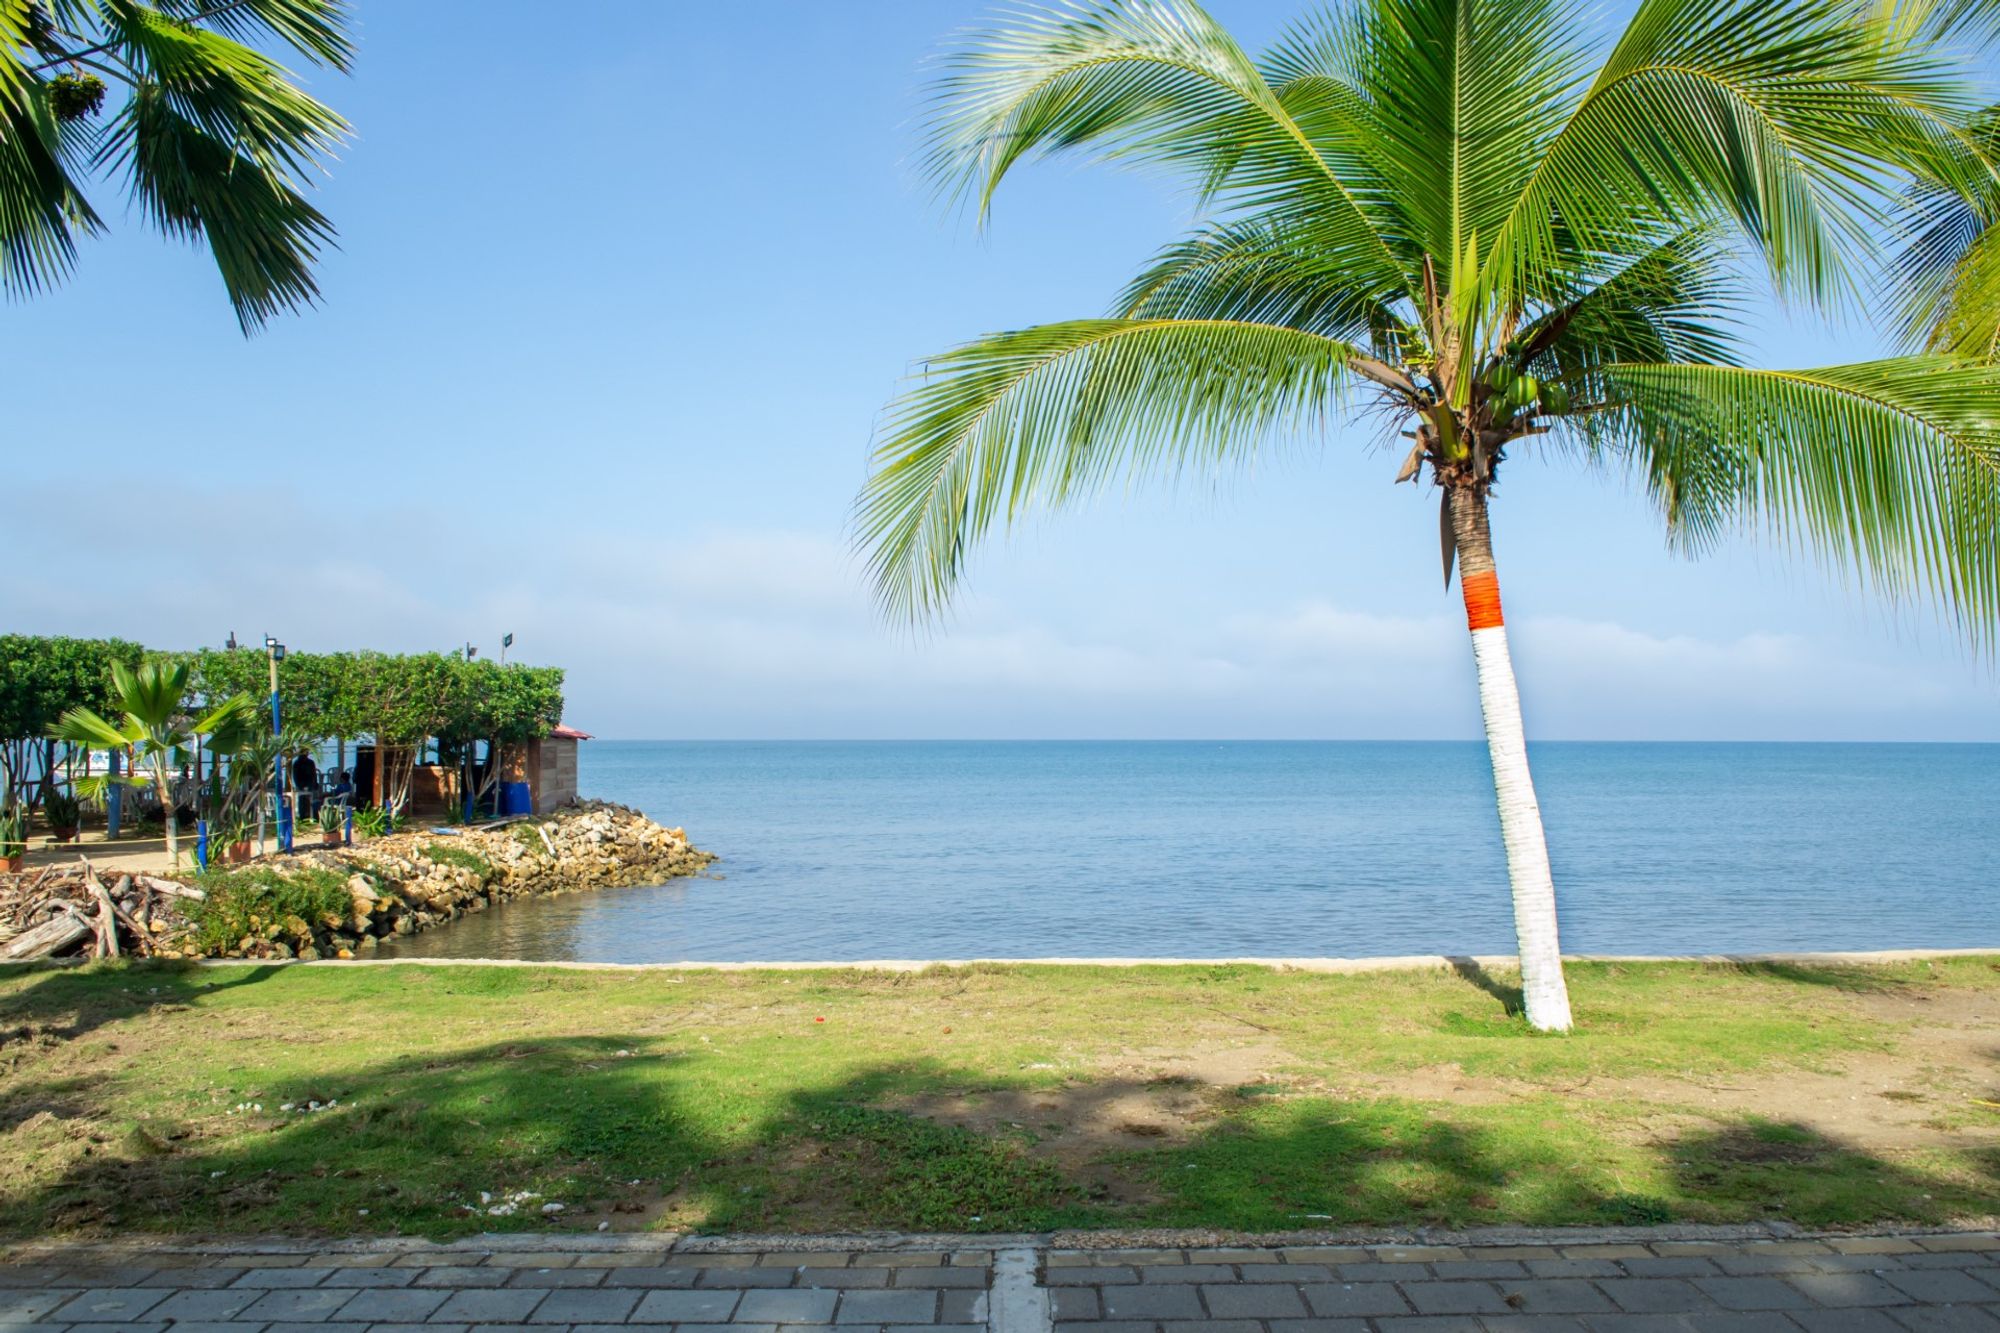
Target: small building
(547,768)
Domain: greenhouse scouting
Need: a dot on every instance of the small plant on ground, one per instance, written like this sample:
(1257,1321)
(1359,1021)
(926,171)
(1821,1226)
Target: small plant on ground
(530,840)
(62,810)
(372,822)
(332,817)
(261,903)
(13,828)
(458,856)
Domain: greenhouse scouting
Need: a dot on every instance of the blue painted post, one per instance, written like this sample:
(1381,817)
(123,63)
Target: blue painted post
(114,798)
(348,832)
(278,765)
(201,844)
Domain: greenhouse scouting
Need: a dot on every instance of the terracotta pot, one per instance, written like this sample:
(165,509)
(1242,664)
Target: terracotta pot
(10,864)
(238,853)
(65,834)
(328,839)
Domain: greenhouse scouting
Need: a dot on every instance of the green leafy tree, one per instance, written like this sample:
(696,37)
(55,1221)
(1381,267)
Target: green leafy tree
(1462,219)
(41,678)
(211,138)
(151,724)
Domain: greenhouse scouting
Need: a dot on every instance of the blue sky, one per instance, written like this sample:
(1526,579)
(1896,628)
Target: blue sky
(598,363)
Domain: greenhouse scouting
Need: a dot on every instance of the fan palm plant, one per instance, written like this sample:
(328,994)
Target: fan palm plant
(1451,215)
(210,137)
(153,729)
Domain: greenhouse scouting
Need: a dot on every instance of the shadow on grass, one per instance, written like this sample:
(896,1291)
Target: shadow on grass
(1471,970)
(652,1127)
(1836,976)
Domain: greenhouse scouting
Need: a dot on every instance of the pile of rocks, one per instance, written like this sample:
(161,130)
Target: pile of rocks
(396,885)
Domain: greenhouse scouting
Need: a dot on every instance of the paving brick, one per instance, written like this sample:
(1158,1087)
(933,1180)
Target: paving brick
(832,1278)
(1670,1266)
(531,1259)
(1417,1254)
(190,1279)
(1286,1273)
(1854,1263)
(903,1258)
(1846,1321)
(1513,1252)
(1200,1272)
(806,1259)
(1752,1293)
(382,1328)
(1712,1322)
(92,1277)
(483,1305)
(369,1277)
(941,1277)
(1534,1323)
(1325,1254)
(736,1279)
(1355,1299)
(279,1278)
(1211,1326)
(1554,1296)
(1606,1252)
(462,1277)
(1067,1304)
(718,1259)
(560,1277)
(27,1275)
(1090,1277)
(383,1305)
(687,1328)
(1162,1301)
(1842,1290)
(1233,1255)
(1478,1269)
(787,1307)
(1374,1272)
(1873,1245)
(968,1307)
(1109,1326)
(887,1307)
(1318,1326)
(1941,1286)
(1558,1268)
(623,1259)
(25,1307)
(310,1306)
(1066,1259)
(1456,1298)
(1262,1301)
(1964,1240)
(1944,1259)
(689,1307)
(1990,1276)
(1430,1324)
(1654,1295)
(1949,1319)
(658,1277)
(1138,1258)
(585,1305)
(110,1305)
(210,1306)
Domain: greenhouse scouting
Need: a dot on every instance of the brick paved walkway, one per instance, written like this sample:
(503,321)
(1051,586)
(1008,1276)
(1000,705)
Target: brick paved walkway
(1837,1285)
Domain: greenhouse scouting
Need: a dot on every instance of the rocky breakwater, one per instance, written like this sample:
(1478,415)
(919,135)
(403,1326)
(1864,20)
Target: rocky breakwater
(339,902)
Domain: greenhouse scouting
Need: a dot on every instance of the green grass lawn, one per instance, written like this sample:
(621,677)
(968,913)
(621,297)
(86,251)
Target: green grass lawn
(136,1097)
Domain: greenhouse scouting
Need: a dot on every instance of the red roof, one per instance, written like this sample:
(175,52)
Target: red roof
(569,733)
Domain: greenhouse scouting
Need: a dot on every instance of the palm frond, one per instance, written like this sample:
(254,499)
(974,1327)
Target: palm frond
(1889,468)
(1677,302)
(1044,415)
(1154,81)
(1779,116)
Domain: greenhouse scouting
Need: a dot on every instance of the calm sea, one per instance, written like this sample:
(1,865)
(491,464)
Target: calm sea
(842,850)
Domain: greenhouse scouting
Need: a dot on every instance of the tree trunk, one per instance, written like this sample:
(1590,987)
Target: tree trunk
(163,780)
(1544,994)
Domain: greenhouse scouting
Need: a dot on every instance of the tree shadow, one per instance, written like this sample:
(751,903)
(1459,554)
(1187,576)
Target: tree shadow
(1837,976)
(72,1001)
(1473,971)
(655,1128)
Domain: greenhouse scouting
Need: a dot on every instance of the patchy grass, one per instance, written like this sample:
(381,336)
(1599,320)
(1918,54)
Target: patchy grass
(446,855)
(259,901)
(151,1097)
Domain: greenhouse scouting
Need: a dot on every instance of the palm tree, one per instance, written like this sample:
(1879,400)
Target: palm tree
(212,139)
(154,730)
(1439,213)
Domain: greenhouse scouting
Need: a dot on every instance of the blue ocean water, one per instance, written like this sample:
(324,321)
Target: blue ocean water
(838,850)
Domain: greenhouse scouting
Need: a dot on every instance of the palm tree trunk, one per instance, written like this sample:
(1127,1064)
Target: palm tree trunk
(163,780)
(1544,994)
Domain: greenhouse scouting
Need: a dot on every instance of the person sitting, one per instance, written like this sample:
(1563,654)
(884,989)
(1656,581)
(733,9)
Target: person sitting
(343,788)
(305,785)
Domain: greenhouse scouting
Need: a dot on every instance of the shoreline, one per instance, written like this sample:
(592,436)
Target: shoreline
(1329,966)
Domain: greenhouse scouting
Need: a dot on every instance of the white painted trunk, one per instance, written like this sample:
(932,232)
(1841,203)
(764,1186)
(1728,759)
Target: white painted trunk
(1543,992)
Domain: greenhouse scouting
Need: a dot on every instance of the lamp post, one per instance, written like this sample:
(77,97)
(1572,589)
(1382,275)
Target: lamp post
(275,653)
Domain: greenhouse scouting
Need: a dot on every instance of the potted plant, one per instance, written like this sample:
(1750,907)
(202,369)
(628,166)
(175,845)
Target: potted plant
(332,819)
(13,836)
(231,833)
(65,816)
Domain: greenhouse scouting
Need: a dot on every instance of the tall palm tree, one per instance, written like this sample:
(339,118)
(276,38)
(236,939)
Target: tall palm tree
(154,730)
(211,138)
(1451,215)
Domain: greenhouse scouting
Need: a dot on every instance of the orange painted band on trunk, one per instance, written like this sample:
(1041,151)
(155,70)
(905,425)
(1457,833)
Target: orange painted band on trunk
(1482,600)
